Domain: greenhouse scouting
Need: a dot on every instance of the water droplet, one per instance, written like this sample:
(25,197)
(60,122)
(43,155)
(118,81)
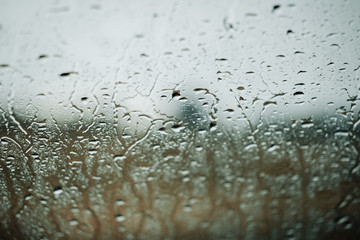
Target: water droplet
(175,93)
(298,93)
(177,127)
(187,208)
(57,190)
(276,7)
(119,218)
(74,222)
(65,74)
(120,202)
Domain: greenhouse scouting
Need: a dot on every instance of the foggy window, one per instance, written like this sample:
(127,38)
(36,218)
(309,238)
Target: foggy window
(230,119)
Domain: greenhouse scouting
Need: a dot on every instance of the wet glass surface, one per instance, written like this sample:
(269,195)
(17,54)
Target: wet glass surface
(179,119)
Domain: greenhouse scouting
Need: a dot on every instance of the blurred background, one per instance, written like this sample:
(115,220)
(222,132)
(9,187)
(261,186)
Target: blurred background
(179,119)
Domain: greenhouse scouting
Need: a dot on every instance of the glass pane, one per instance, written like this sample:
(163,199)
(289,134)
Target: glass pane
(179,119)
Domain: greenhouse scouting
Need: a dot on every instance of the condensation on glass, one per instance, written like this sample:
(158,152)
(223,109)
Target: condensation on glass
(179,119)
